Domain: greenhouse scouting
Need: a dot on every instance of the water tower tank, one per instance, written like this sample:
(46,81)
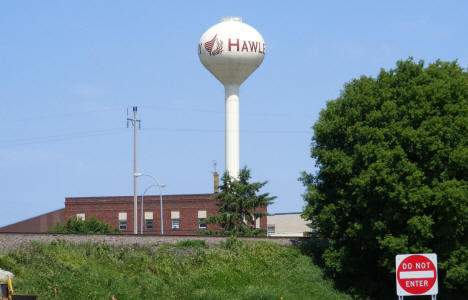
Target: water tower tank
(231,51)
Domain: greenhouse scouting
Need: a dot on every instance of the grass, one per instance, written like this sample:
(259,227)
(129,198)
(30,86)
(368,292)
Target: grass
(188,270)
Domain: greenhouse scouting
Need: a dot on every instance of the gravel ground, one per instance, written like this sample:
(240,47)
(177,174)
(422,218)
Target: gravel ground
(14,240)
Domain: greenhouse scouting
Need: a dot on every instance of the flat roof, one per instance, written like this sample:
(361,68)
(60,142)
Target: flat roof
(288,213)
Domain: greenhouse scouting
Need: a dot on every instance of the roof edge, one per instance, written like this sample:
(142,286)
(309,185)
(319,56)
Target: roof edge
(28,219)
(286,213)
(131,196)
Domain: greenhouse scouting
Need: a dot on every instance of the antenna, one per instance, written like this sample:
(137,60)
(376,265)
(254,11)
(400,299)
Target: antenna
(133,120)
(214,166)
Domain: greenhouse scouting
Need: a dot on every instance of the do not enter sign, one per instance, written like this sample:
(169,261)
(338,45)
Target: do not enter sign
(416,274)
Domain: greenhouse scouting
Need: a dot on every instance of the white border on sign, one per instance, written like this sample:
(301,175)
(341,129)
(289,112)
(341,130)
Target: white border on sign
(433,258)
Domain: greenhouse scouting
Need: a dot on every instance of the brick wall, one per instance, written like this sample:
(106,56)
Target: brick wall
(37,224)
(107,209)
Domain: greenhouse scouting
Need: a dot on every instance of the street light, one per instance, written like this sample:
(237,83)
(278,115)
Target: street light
(160,200)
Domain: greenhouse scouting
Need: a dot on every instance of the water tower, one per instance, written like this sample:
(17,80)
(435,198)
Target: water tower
(231,51)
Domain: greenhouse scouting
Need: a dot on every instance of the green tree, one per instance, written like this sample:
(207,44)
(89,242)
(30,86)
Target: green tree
(392,177)
(90,226)
(239,204)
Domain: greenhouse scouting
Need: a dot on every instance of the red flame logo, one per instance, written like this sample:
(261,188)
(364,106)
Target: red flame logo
(210,45)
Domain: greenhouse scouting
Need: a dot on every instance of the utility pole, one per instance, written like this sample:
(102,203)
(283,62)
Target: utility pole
(134,122)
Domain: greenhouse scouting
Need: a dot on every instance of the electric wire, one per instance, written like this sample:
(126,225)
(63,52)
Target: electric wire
(222,130)
(222,112)
(64,115)
(58,138)
(122,130)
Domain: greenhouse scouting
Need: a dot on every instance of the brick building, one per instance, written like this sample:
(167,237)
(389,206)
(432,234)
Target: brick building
(181,214)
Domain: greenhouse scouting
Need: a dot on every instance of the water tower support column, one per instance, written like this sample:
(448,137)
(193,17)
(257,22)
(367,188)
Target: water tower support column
(222,51)
(232,130)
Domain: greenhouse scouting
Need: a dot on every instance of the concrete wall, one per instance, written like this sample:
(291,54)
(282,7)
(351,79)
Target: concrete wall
(37,224)
(14,240)
(288,224)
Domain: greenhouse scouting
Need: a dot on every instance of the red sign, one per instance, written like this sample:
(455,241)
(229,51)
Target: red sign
(215,46)
(416,274)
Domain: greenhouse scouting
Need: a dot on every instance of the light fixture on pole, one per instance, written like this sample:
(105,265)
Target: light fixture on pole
(142,203)
(160,186)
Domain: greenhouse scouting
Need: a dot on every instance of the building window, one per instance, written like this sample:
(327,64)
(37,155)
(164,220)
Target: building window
(148,220)
(175,223)
(148,223)
(201,218)
(123,225)
(201,224)
(175,214)
(80,216)
(257,223)
(271,228)
(175,217)
(123,221)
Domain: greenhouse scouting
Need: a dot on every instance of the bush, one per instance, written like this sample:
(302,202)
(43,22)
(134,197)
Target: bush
(90,226)
(192,244)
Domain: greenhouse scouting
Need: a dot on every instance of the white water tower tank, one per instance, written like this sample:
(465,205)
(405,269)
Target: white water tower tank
(231,51)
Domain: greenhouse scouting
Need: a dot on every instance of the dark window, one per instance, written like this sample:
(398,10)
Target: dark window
(123,225)
(201,224)
(175,224)
(271,228)
(149,223)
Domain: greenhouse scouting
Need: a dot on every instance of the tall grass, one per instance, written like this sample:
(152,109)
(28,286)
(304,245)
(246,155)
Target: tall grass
(188,270)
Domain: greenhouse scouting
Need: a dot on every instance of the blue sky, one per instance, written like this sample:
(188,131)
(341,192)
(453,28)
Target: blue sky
(70,69)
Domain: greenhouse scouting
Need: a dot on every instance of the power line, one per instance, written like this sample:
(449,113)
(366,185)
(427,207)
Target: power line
(222,112)
(205,130)
(113,131)
(64,115)
(58,138)
(159,108)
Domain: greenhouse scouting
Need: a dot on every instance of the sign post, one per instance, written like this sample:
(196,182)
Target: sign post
(416,275)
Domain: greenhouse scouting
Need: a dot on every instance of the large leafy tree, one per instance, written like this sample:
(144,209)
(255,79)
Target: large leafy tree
(392,159)
(239,205)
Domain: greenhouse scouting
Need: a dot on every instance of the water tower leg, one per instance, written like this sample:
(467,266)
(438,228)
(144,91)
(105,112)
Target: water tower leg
(232,130)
